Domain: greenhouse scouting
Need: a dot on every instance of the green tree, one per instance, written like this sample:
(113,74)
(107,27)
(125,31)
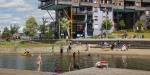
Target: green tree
(6,34)
(140,25)
(43,28)
(122,24)
(14,29)
(107,24)
(65,25)
(49,32)
(31,27)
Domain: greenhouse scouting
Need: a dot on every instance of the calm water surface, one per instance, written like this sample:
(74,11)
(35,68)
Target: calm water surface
(51,62)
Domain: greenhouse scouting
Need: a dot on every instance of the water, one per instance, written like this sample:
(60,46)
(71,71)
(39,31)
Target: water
(50,63)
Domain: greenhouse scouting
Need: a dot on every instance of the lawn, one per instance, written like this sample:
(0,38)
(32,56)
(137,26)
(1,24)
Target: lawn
(28,44)
(130,34)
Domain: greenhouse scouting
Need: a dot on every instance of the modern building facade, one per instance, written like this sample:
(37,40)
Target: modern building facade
(86,16)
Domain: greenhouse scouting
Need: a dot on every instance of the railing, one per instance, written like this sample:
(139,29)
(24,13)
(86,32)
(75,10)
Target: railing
(130,7)
(46,3)
(118,7)
(106,5)
(146,1)
(87,4)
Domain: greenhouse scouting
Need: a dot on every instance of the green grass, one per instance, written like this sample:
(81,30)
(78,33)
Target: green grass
(130,34)
(29,44)
(5,44)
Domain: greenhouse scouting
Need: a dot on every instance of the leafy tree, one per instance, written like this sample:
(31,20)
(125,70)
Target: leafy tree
(122,24)
(6,34)
(140,25)
(14,29)
(31,27)
(107,24)
(65,25)
(43,28)
(49,32)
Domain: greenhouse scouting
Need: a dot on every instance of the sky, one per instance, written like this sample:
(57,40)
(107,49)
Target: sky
(18,11)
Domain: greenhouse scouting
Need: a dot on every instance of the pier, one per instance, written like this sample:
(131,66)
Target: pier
(87,71)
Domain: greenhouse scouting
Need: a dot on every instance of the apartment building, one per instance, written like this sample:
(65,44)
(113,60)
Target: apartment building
(86,16)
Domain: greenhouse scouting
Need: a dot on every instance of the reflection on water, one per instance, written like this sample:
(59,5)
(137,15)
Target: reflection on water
(65,63)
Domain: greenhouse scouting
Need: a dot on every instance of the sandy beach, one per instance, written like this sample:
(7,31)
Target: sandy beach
(81,49)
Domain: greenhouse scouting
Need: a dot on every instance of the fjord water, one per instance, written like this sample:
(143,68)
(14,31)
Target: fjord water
(51,62)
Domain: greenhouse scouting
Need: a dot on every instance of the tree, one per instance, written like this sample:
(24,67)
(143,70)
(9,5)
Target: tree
(65,25)
(140,25)
(6,34)
(122,24)
(107,24)
(14,29)
(43,28)
(31,27)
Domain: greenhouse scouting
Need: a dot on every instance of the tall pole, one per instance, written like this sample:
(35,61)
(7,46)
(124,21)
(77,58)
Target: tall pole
(71,23)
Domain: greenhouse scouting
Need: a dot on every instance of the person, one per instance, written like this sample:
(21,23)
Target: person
(39,62)
(124,47)
(58,69)
(87,47)
(105,45)
(61,50)
(69,48)
(52,48)
(112,47)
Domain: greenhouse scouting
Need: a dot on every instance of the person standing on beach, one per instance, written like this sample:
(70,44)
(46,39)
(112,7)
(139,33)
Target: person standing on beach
(112,47)
(87,47)
(39,62)
(61,49)
(52,48)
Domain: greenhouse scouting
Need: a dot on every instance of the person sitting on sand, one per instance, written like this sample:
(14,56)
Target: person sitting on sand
(124,47)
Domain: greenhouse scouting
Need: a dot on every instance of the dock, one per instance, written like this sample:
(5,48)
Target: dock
(22,72)
(87,71)
(109,71)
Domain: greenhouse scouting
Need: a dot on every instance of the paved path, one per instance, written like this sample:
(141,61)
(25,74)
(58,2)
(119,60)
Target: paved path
(109,71)
(87,71)
(22,72)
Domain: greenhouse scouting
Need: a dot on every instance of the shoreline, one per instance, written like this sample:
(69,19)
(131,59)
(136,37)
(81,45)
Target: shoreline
(76,48)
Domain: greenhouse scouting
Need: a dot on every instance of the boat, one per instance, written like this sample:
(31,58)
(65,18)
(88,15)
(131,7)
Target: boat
(102,64)
(27,54)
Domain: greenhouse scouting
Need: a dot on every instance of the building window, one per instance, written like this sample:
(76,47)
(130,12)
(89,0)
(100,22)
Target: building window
(95,9)
(95,16)
(95,19)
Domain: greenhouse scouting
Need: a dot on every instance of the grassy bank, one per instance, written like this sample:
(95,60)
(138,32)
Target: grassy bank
(130,34)
(29,44)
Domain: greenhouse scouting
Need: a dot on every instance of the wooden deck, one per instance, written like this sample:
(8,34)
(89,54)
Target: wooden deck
(87,71)
(22,72)
(109,71)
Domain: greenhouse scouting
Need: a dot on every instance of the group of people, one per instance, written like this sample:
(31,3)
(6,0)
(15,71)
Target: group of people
(123,47)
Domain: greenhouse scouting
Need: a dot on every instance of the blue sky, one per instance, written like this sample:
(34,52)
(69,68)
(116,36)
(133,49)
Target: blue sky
(17,12)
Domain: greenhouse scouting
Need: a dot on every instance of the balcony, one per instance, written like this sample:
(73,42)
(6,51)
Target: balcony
(54,4)
(146,1)
(133,0)
(130,7)
(105,5)
(118,7)
(65,2)
(83,3)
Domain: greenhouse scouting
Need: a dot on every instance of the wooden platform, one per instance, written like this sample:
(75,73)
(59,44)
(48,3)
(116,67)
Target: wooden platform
(87,71)
(109,71)
(22,72)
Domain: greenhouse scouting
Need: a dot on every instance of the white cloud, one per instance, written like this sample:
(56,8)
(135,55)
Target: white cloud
(19,5)
(22,10)
(5,16)
(9,19)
